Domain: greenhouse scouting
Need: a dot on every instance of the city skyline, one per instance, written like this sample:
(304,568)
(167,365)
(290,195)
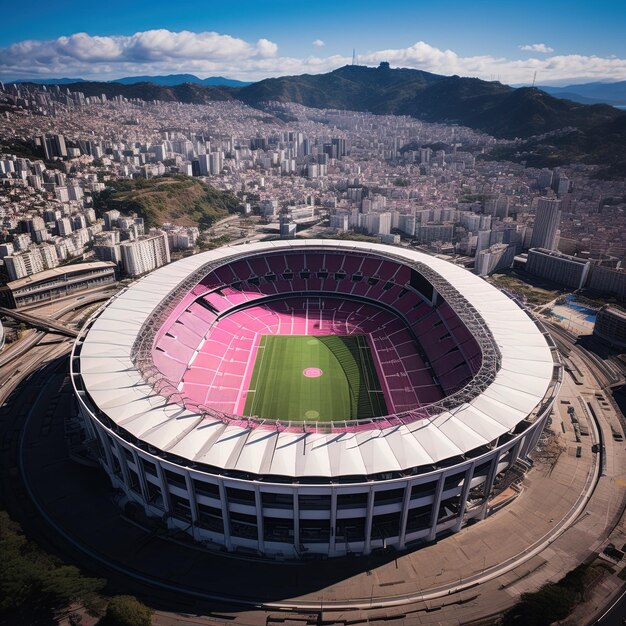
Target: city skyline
(248,41)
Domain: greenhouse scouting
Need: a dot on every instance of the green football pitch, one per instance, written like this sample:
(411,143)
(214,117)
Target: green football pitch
(324,378)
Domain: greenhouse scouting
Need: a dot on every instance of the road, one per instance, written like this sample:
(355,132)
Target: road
(605,374)
(17,349)
(45,324)
(615,615)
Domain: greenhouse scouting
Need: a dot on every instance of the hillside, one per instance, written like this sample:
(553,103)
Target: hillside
(492,107)
(602,144)
(352,87)
(187,93)
(176,199)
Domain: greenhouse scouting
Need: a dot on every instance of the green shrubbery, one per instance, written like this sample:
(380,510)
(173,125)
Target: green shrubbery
(554,601)
(165,199)
(127,611)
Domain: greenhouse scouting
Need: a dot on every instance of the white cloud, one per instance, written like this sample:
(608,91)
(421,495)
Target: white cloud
(549,69)
(318,43)
(536,47)
(208,53)
(266,48)
(159,48)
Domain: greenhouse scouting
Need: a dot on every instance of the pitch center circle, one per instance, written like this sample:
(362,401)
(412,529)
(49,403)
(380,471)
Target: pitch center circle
(312,372)
(311,415)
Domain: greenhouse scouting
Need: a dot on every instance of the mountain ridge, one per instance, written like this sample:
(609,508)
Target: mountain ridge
(609,93)
(171,80)
(165,80)
(489,106)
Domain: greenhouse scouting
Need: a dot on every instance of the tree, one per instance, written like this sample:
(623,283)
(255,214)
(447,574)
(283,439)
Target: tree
(127,611)
(32,580)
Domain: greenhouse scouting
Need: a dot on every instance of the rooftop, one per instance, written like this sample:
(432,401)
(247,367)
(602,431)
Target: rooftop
(61,271)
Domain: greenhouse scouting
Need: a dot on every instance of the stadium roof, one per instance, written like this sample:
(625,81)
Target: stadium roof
(119,390)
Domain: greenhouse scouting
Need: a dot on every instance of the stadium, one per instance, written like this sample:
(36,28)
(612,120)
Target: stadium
(315,398)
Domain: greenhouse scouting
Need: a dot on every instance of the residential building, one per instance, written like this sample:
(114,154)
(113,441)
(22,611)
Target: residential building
(145,254)
(563,269)
(547,220)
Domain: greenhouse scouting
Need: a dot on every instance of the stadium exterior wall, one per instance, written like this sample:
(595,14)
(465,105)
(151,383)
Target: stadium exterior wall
(413,505)
(290,517)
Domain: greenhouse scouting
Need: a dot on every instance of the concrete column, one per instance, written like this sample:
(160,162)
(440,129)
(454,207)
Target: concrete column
(296,523)
(87,421)
(122,459)
(467,481)
(538,431)
(259,517)
(515,453)
(525,445)
(531,437)
(191,494)
(406,502)
(142,483)
(333,521)
(435,511)
(225,516)
(491,477)
(106,446)
(165,492)
(368,522)
(142,478)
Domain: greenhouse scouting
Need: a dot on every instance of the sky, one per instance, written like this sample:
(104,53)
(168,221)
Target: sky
(562,41)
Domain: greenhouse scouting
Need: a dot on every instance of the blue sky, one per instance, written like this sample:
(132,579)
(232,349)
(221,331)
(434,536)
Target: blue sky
(587,38)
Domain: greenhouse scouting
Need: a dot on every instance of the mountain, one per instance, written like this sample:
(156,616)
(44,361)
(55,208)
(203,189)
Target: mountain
(49,81)
(180,79)
(170,80)
(574,97)
(602,144)
(609,93)
(352,87)
(492,107)
(187,92)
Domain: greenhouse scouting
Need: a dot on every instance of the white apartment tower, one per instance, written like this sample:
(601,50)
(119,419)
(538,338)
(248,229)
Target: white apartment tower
(25,264)
(547,220)
(145,254)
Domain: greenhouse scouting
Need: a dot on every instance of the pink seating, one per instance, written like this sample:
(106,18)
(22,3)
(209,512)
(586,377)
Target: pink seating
(421,352)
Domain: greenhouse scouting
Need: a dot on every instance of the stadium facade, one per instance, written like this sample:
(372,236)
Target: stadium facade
(161,374)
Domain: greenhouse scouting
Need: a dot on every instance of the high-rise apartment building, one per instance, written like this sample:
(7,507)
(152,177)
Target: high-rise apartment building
(497,257)
(145,254)
(64,227)
(25,264)
(547,220)
(53,146)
